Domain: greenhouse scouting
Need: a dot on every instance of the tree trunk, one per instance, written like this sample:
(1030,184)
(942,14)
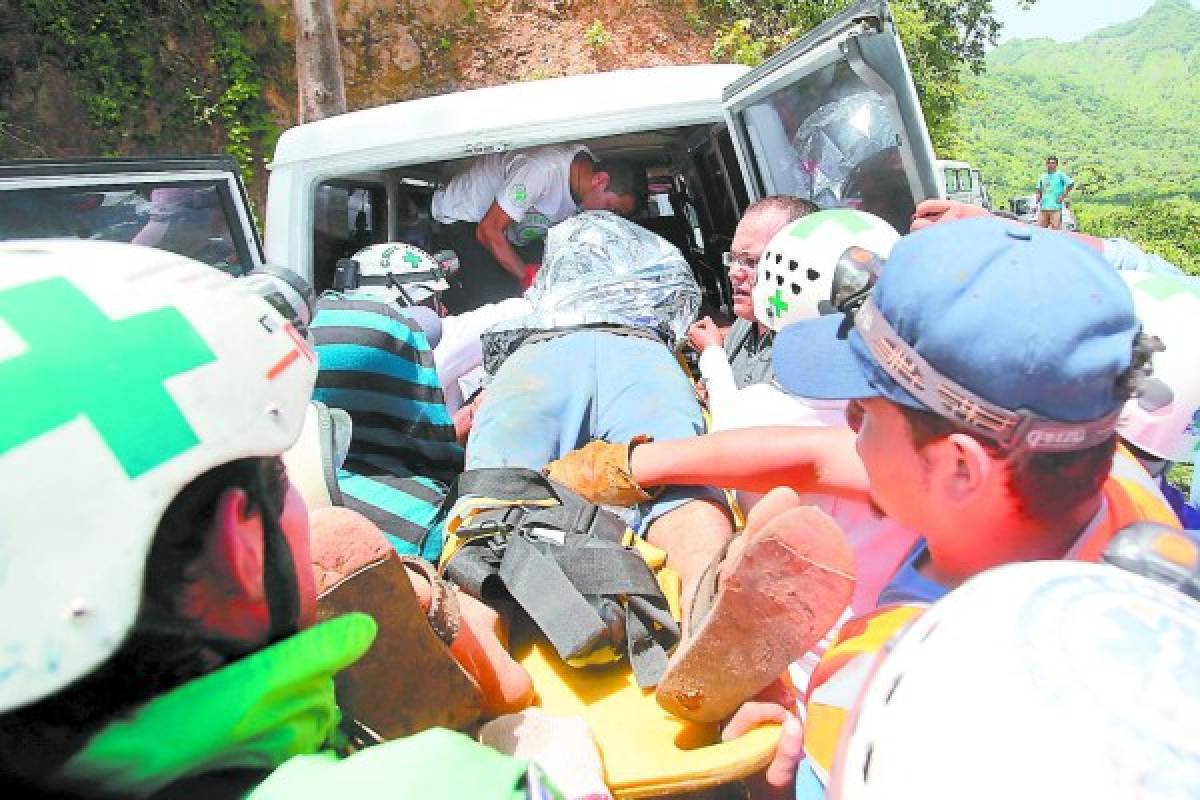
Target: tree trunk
(322,88)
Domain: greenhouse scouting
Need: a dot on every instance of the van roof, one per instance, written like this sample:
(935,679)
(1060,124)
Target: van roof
(942,163)
(519,114)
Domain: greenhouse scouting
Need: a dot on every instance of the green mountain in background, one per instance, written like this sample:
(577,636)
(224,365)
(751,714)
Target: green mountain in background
(1120,108)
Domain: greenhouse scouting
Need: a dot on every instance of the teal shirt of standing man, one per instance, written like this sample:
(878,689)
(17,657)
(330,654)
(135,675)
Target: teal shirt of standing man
(1052,187)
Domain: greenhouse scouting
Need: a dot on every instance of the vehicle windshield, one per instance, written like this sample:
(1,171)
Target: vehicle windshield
(830,139)
(191,219)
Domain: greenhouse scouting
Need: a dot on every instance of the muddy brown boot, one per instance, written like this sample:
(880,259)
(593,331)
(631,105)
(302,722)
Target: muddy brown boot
(408,681)
(777,596)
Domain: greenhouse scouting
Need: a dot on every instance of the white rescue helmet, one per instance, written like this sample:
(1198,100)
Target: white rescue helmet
(129,372)
(398,272)
(1164,419)
(1049,679)
(795,278)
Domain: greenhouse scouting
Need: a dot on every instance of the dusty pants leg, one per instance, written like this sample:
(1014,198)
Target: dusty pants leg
(538,407)
(641,388)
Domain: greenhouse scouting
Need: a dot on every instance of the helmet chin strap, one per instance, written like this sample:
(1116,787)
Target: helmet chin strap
(279,581)
(279,571)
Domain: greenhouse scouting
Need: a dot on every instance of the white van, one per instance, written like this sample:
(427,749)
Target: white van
(963,183)
(834,118)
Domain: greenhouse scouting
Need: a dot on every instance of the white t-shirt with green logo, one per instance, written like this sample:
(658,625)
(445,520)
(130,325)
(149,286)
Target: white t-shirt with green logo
(519,181)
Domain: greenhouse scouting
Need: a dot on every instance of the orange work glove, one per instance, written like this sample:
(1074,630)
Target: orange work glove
(599,471)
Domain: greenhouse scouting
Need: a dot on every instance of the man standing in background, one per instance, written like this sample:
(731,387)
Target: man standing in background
(1052,190)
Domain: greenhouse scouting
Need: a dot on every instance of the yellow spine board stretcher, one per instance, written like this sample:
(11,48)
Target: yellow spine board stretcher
(647,752)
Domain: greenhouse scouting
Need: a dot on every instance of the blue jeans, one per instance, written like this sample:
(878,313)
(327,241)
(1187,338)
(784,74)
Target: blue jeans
(552,397)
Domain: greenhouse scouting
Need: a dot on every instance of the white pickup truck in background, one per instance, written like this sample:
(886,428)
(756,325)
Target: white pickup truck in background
(964,183)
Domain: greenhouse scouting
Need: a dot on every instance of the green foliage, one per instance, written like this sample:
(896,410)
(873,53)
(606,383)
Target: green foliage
(108,46)
(470,13)
(737,44)
(246,117)
(138,77)
(696,22)
(1170,228)
(940,37)
(597,36)
(1120,109)
(1182,475)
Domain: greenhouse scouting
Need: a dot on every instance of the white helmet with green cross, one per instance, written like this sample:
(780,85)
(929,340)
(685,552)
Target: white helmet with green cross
(795,278)
(399,272)
(128,373)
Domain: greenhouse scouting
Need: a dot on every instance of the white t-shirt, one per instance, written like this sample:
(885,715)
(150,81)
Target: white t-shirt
(759,403)
(517,181)
(460,351)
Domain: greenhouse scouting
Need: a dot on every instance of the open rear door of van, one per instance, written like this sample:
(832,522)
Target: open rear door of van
(834,118)
(194,206)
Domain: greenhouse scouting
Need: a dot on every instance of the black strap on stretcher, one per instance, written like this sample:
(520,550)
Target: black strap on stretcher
(567,568)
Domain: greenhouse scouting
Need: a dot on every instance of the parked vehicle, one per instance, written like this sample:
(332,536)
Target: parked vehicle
(964,183)
(1026,209)
(193,206)
(834,118)
(714,137)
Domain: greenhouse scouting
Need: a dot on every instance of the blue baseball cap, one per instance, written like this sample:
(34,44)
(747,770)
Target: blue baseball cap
(1028,319)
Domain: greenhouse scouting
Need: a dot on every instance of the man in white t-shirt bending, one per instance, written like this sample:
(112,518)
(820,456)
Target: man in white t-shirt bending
(494,191)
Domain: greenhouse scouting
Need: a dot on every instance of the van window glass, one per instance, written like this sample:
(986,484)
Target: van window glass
(951,181)
(347,217)
(711,172)
(191,218)
(830,139)
(965,183)
(730,162)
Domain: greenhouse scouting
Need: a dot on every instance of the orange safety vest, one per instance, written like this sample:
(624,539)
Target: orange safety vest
(1130,495)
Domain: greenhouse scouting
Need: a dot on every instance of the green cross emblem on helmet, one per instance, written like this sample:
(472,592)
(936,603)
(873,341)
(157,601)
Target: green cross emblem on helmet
(412,259)
(846,219)
(1162,287)
(778,303)
(79,362)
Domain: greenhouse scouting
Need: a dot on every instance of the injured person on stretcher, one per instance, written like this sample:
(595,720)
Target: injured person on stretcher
(593,358)
(596,360)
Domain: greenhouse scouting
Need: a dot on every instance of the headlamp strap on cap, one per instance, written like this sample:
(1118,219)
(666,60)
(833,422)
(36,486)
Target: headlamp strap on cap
(1012,430)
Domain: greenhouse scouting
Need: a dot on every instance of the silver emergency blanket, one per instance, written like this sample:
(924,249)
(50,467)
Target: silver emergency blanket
(602,269)
(835,139)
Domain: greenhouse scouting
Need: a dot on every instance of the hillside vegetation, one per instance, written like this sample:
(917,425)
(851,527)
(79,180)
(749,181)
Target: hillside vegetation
(1120,108)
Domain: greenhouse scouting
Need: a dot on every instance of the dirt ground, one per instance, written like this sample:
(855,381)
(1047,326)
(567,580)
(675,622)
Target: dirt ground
(513,40)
